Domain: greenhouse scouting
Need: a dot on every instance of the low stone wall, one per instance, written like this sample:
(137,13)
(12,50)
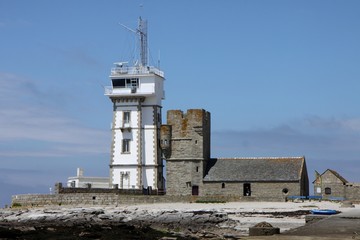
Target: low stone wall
(100,196)
(26,200)
(59,189)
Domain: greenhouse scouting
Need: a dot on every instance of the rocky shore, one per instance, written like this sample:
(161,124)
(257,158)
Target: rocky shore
(154,221)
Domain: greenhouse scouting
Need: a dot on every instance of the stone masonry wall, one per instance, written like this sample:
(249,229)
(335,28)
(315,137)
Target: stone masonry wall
(190,150)
(90,199)
(259,191)
(190,134)
(352,192)
(182,175)
(329,180)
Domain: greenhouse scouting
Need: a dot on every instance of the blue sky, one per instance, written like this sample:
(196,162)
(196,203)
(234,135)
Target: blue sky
(280,78)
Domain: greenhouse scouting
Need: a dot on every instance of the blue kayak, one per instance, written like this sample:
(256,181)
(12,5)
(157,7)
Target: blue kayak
(323,211)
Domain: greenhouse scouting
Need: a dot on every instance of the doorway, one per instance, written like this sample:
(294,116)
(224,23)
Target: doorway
(195,190)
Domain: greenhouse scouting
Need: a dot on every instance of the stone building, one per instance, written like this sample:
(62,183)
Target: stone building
(185,141)
(271,178)
(331,185)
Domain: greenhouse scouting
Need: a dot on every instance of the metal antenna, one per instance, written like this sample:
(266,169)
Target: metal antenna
(142,31)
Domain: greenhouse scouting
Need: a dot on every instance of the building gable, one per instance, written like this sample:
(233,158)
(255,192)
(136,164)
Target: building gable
(330,174)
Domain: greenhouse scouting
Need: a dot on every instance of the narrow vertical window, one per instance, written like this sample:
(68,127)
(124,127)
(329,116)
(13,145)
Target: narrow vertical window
(126,146)
(126,117)
(223,185)
(247,189)
(197,169)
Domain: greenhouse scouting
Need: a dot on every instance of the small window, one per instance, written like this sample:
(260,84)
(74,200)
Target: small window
(118,83)
(195,141)
(126,146)
(223,185)
(285,191)
(125,83)
(247,189)
(126,117)
(132,83)
(197,169)
(327,191)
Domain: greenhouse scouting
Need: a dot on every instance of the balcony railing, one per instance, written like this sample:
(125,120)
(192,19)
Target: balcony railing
(136,70)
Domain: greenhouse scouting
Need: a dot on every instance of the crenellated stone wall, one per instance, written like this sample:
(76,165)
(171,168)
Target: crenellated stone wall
(188,150)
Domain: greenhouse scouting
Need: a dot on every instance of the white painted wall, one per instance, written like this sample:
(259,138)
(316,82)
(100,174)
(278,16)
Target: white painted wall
(150,87)
(149,148)
(149,175)
(132,177)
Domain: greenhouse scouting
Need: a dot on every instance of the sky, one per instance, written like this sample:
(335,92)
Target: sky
(280,78)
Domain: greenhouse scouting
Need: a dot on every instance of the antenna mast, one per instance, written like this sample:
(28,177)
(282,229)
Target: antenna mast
(142,30)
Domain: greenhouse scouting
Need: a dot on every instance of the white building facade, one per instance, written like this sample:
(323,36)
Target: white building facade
(136,94)
(81,181)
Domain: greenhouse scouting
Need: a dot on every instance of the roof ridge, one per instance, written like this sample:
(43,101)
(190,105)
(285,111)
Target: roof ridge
(241,158)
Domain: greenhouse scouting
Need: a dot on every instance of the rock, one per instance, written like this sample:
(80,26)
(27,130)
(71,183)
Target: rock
(263,224)
(263,229)
(232,236)
(89,235)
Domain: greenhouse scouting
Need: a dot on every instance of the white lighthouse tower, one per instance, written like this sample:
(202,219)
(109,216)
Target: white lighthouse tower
(136,93)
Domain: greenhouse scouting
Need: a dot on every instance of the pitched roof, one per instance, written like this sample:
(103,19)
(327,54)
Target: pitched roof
(337,175)
(255,169)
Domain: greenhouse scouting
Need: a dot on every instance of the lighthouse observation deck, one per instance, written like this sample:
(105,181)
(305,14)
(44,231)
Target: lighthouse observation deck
(136,80)
(121,70)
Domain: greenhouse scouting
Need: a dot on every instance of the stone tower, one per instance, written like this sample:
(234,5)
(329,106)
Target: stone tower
(136,93)
(185,141)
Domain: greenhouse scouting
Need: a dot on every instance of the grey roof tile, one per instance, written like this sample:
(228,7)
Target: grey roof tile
(254,169)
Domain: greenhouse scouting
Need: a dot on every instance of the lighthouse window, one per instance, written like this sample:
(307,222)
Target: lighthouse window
(126,146)
(126,117)
(125,83)
(118,83)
